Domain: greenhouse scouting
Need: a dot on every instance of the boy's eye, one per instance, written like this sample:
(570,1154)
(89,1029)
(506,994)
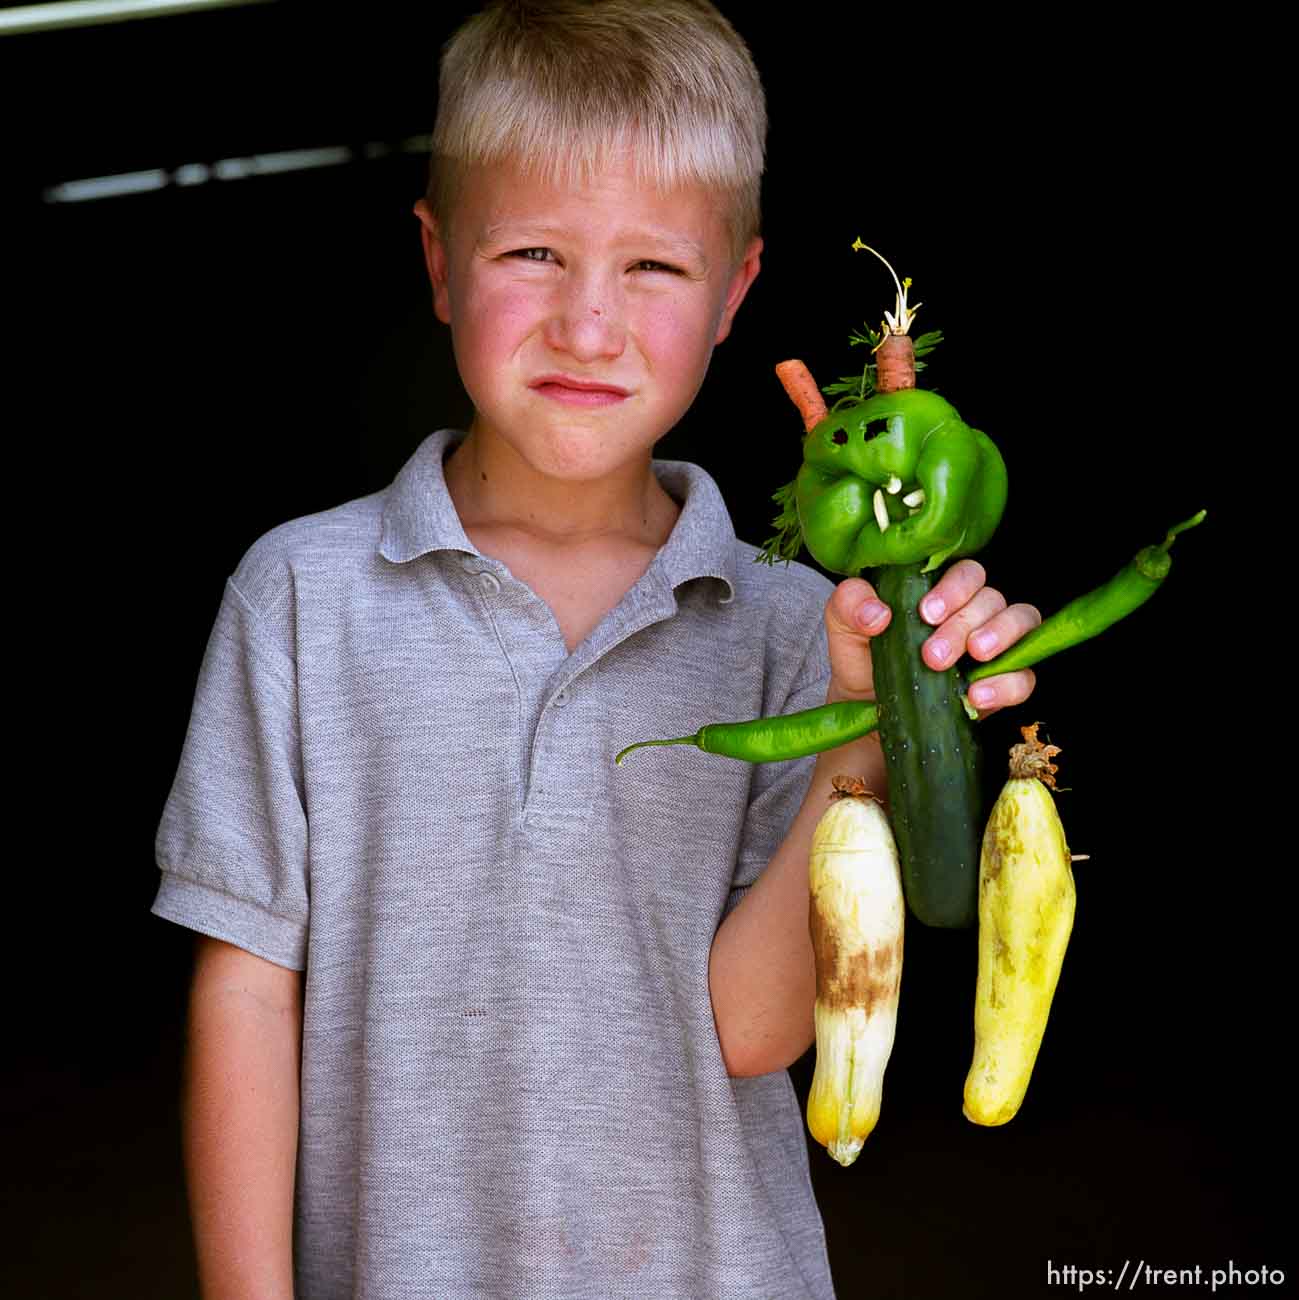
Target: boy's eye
(532,254)
(650,265)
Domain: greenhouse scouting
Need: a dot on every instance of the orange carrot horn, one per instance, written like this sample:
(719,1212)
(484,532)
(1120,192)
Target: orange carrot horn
(797,381)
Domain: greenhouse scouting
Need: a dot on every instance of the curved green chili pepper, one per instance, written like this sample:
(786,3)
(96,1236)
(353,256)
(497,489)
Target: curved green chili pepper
(790,735)
(906,455)
(795,735)
(1092,613)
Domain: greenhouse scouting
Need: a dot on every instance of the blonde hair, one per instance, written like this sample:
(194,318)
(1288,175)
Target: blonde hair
(565,86)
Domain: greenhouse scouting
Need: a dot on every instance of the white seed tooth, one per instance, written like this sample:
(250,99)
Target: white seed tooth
(881,510)
(916,498)
(893,486)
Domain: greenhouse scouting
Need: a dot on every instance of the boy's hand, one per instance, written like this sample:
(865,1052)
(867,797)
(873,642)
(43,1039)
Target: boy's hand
(968,618)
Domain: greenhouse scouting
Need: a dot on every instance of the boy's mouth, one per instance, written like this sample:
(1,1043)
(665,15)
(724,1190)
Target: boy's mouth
(572,391)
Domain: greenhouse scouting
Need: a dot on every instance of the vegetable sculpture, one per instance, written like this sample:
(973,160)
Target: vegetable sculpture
(892,478)
(895,483)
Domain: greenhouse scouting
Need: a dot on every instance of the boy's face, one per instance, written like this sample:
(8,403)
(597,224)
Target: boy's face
(583,320)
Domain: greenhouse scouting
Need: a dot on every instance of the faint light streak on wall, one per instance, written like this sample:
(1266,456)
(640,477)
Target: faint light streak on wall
(268,164)
(106,187)
(191,174)
(92,13)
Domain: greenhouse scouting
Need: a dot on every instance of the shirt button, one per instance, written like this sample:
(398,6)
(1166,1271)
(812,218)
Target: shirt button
(490,583)
(561,699)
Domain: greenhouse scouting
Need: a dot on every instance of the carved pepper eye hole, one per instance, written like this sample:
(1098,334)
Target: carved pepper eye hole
(838,437)
(874,428)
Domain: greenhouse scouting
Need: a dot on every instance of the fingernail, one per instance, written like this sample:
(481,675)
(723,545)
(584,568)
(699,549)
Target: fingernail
(981,696)
(933,608)
(939,650)
(871,612)
(983,641)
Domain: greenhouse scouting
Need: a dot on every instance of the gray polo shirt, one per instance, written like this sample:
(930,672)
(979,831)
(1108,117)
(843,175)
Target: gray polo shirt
(397,779)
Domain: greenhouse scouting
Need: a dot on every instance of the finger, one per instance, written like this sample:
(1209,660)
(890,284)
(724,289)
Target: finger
(1002,691)
(855,610)
(853,614)
(1002,631)
(954,589)
(947,644)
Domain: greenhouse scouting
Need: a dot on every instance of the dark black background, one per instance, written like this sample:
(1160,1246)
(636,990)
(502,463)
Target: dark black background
(192,366)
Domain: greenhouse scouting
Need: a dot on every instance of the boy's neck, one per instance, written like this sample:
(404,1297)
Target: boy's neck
(495,491)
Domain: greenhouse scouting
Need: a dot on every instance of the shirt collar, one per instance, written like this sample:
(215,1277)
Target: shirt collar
(419,517)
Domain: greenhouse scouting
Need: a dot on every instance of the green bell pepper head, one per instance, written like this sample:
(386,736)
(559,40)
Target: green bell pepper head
(897,479)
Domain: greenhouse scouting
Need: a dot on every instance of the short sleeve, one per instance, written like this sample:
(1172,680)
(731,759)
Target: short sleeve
(232,843)
(778,789)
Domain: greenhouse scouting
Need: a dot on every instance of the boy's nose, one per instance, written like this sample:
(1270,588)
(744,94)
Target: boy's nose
(588,326)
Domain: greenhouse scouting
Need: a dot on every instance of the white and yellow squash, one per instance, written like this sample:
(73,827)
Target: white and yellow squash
(856,917)
(1026,911)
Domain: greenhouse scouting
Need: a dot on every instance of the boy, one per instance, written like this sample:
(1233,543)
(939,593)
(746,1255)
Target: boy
(477,1013)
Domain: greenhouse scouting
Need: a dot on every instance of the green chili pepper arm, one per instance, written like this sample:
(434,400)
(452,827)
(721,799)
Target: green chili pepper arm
(1155,561)
(645,744)
(785,736)
(1090,614)
(1079,621)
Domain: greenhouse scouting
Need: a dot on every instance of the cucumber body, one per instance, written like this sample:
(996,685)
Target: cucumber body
(935,795)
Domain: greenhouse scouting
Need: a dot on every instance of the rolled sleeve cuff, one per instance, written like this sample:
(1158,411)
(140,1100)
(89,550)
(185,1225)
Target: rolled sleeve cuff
(280,939)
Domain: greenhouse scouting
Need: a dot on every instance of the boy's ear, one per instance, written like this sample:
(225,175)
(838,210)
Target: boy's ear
(435,258)
(742,277)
